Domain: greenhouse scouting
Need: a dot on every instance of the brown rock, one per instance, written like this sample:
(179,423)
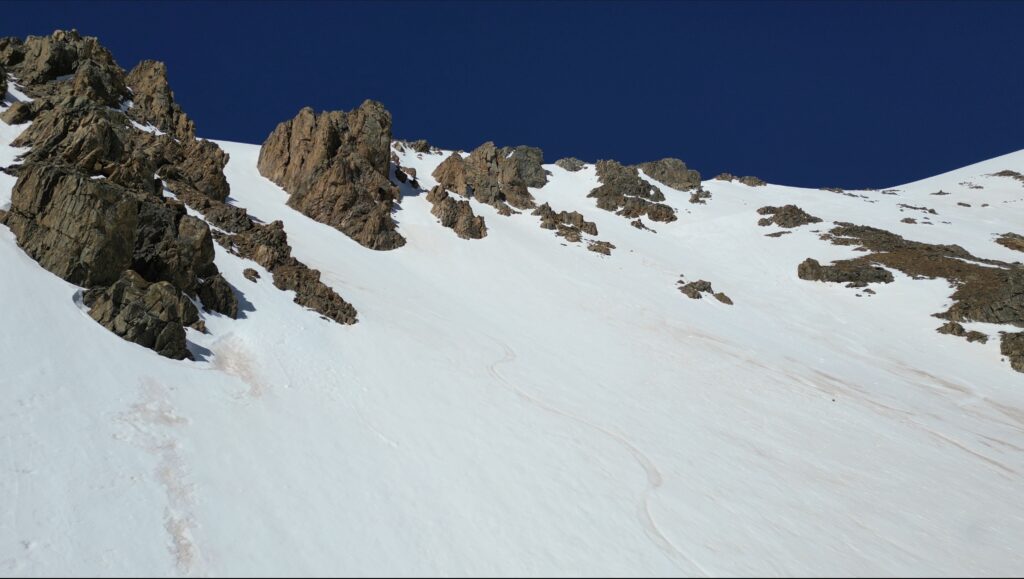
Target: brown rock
(456,215)
(1011,241)
(788,216)
(672,172)
(571,164)
(335,166)
(251,274)
(153,101)
(857,273)
(153,315)
(624,192)
(1011,345)
(602,247)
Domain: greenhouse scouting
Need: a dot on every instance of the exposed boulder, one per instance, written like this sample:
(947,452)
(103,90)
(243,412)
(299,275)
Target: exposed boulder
(1009,173)
(856,273)
(602,247)
(218,296)
(571,164)
(152,315)
(624,192)
(153,101)
(420,146)
(639,224)
(700,196)
(456,214)
(751,181)
(172,246)
(251,274)
(18,113)
(451,175)
(335,167)
(788,216)
(672,172)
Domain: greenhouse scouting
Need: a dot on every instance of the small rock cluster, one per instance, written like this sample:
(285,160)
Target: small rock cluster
(788,216)
(570,225)
(672,172)
(571,164)
(695,289)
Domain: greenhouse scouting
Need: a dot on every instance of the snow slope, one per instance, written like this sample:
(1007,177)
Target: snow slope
(519,405)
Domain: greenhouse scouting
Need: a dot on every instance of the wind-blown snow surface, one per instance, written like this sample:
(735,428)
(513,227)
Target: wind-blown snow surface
(515,405)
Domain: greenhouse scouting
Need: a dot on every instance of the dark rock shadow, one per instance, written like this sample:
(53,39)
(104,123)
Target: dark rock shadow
(244,305)
(199,353)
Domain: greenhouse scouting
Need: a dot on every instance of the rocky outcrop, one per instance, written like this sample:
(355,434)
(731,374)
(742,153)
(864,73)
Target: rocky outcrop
(153,101)
(700,196)
(672,172)
(1009,173)
(571,164)
(153,315)
(985,290)
(3,84)
(496,176)
(456,214)
(624,192)
(87,205)
(695,289)
(854,273)
(335,167)
(1011,241)
(268,246)
(251,274)
(956,329)
(570,225)
(788,216)
(1011,345)
(748,180)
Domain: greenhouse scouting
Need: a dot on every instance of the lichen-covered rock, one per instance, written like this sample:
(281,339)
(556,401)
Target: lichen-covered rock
(624,192)
(856,273)
(571,164)
(153,101)
(153,315)
(456,214)
(672,172)
(788,216)
(335,167)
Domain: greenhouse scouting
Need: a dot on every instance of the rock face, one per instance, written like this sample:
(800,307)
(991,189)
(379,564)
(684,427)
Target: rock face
(335,167)
(153,101)
(788,216)
(854,273)
(495,176)
(624,192)
(456,215)
(571,164)
(152,315)
(87,204)
(672,172)
(570,225)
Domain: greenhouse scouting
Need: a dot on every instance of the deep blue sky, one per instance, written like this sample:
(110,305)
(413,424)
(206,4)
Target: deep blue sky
(865,94)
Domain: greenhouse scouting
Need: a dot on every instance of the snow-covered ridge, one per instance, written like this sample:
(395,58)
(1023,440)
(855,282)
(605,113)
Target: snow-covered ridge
(519,405)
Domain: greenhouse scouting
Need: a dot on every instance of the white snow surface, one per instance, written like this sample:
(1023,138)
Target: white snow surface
(519,405)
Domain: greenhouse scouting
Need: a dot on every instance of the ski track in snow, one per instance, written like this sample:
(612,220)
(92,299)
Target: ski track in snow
(651,471)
